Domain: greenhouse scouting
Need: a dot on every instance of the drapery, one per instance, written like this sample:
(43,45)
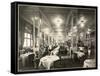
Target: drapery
(21,33)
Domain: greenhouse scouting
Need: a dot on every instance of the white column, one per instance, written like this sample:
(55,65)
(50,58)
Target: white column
(33,33)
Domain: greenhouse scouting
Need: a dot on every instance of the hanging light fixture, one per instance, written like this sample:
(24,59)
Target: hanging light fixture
(89,30)
(36,18)
(58,21)
(82,21)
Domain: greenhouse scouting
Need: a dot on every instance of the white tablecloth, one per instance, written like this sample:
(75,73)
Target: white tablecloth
(89,63)
(80,54)
(24,57)
(55,51)
(47,61)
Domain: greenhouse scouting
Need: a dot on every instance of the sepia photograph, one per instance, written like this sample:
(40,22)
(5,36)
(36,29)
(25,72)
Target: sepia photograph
(56,37)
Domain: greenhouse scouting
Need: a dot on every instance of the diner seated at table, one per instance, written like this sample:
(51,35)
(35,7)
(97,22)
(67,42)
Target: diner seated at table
(46,51)
(80,55)
(62,50)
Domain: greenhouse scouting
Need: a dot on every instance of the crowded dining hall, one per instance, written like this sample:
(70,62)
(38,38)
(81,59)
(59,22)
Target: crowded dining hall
(52,38)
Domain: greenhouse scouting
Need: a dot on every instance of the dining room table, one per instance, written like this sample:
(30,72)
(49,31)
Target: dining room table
(79,54)
(48,61)
(24,58)
(89,63)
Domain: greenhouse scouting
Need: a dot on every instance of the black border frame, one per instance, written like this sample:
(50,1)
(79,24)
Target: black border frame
(14,36)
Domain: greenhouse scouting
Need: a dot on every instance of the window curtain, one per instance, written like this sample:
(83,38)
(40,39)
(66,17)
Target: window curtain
(21,32)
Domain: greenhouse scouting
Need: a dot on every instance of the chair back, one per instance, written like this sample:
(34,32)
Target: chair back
(30,59)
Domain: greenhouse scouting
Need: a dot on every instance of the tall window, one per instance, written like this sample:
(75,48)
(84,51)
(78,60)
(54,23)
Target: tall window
(28,42)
